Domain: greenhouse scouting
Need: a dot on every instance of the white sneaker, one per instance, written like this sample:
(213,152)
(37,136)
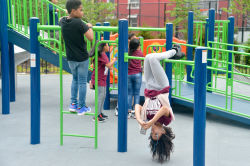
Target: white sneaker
(129,115)
(116,111)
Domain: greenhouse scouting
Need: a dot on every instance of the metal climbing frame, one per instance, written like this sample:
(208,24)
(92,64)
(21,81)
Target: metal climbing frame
(19,12)
(62,111)
(222,62)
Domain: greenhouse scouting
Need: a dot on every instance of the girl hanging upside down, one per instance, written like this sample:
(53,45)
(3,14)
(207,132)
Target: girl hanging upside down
(156,112)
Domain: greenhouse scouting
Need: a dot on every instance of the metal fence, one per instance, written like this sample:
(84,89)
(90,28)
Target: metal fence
(46,68)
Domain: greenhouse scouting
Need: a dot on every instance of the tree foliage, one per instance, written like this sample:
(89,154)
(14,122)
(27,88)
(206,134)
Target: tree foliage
(180,12)
(239,7)
(95,11)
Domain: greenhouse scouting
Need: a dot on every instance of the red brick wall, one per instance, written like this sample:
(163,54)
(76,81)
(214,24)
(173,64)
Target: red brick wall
(152,13)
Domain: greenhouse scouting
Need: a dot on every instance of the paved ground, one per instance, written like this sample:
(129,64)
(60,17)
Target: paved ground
(227,142)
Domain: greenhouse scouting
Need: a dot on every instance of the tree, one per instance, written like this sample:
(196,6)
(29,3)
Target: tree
(95,11)
(180,12)
(241,7)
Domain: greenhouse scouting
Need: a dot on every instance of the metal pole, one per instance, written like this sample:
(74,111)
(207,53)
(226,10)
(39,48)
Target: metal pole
(12,73)
(230,40)
(96,34)
(141,42)
(140,14)
(46,67)
(117,10)
(158,13)
(165,9)
(107,99)
(34,81)
(129,13)
(210,38)
(122,86)
(206,31)
(216,9)
(176,30)
(237,20)
(12,62)
(190,41)
(242,34)
(169,41)
(26,66)
(4,58)
(199,107)
(40,64)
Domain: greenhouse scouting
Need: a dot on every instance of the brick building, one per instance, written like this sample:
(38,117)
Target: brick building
(153,12)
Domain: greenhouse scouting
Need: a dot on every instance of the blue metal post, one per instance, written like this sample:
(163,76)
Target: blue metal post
(199,106)
(106,106)
(96,34)
(190,41)
(206,31)
(230,40)
(122,86)
(12,63)
(34,81)
(169,40)
(210,38)
(12,72)
(4,57)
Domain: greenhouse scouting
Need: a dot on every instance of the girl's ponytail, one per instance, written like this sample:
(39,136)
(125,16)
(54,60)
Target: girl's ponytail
(133,45)
(100,48)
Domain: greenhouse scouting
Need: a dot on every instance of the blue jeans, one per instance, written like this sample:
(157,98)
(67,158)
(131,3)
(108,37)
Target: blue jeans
(79,72)
(134,86)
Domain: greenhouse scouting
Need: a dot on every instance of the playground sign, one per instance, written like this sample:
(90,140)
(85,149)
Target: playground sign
(32,60)
(204,56)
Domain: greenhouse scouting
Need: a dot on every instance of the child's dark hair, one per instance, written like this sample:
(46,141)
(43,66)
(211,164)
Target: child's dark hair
(130,36)
(162,148)
(100,48)
(73,4)
(133,45)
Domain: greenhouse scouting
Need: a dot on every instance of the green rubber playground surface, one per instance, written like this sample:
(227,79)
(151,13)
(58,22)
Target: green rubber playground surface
(227,142)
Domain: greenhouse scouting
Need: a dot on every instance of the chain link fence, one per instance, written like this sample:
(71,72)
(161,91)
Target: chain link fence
(45,67)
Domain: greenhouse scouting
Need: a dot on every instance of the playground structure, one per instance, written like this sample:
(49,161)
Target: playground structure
(223,61)
(147,46)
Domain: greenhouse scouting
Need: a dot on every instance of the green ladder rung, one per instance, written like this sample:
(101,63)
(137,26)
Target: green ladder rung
(110,89)
(76,135)
(67,112)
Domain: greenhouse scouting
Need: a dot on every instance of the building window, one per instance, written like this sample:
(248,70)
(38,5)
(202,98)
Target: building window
(204,4)
(134,4)
(112,1)
(133,20)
